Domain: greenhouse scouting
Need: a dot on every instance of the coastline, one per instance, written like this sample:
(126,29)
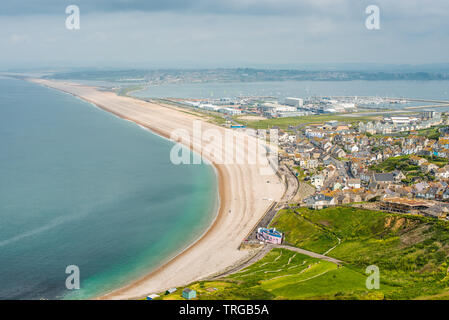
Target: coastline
(210,250)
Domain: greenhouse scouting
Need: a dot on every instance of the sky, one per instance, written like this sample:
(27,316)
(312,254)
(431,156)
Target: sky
(221,33)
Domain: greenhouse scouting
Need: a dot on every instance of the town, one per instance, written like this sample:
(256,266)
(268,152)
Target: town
(344,163)
(397,163)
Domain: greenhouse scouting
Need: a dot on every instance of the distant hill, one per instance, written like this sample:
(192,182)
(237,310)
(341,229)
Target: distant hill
(246,75)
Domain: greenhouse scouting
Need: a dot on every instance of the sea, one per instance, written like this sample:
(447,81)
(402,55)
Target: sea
(83,190)
(402,89)
(81,187)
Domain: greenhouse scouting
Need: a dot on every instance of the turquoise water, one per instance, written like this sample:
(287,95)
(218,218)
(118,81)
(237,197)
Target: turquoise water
(79,186)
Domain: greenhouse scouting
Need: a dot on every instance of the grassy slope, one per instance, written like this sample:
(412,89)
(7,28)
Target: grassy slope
(283,123)
(283,274)
(411,253)
(410,170)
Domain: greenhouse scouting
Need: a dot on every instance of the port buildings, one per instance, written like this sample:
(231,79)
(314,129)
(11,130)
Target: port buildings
(292,107)
(212,107)
(294,102)
(401,123)
(273,109)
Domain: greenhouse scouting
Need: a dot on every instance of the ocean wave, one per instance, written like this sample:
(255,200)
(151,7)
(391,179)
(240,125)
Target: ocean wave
(54,223)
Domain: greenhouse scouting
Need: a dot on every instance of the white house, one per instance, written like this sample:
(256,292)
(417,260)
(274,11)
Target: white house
(317,180)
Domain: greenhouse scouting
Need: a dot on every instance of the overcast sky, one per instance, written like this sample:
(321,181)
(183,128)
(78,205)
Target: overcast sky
(222,33)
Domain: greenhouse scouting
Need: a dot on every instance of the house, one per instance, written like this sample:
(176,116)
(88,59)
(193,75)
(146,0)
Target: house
(171,290)
(428,167)
(354,183)
(437,211)
(398,176)
(329,172)
(421,186)
(317,180)
(365,176)
(442,173)
(431,193)
(422,193)
(269,235)
(353,148)
(327,160)
(337,186)
(344,199)
(417,160)
(383,177)
(339,153)
(188,294)
(319,201)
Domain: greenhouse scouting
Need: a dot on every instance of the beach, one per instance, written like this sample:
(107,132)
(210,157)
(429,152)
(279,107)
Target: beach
(244,193)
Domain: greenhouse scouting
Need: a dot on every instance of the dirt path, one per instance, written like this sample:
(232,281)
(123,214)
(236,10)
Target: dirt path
(263,252)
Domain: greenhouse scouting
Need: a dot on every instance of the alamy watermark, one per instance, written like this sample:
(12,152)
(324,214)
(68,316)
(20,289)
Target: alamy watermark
(72,282)
(373,280)
(226,147)
(372,22)
(72,22)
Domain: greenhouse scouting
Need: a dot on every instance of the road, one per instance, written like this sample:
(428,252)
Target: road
(290,192)
(292,184)
(309,253)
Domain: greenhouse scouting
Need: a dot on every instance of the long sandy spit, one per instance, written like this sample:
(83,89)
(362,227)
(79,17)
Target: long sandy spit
(245,194)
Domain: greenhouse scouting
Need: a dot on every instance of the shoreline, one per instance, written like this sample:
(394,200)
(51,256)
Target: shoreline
(217,209)
(154,280)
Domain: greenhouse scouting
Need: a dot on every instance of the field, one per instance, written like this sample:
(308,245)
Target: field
(209,116)
(284,274)
(411,253)
(430,133)
(125,91)
(284,123)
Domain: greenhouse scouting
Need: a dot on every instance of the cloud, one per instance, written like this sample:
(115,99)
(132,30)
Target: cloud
(223,32)
(246,7)
(267,7)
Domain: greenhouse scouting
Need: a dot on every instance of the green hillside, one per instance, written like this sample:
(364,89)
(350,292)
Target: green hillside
(411,253)
(284,274)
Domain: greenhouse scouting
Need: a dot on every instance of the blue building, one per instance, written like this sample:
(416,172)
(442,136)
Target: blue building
(269,235)
(188,294)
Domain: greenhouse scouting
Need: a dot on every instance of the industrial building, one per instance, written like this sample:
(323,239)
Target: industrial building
(294,102)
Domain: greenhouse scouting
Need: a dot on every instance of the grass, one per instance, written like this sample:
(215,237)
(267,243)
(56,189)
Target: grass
(302,233)
(395,163)
(283,274)
(301,173)
(430,133)
(411,171)
(126,90)
(411,253)
(440,162)
(284,123)
(209,116)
